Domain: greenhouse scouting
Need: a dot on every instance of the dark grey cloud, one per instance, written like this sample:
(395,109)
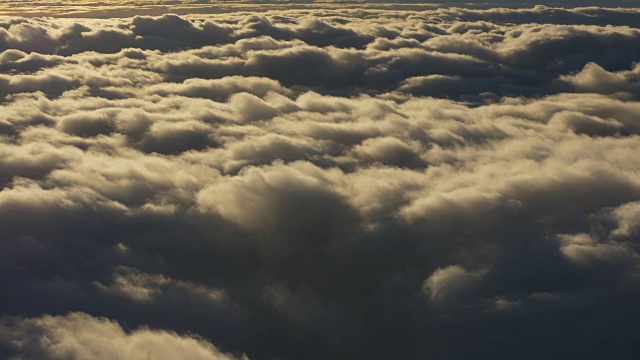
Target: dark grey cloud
(400,181)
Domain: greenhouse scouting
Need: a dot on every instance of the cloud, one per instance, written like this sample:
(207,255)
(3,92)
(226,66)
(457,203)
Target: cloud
(78,335)
(584,250)
(594,78)
(628,219)
(132,284)
(279,199)
(220,89)
(446,282)
(318,181)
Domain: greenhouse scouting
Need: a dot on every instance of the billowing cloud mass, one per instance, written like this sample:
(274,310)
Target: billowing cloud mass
(80,336)
(378,182)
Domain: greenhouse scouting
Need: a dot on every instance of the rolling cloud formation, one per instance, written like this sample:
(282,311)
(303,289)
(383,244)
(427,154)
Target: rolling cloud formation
(321,184)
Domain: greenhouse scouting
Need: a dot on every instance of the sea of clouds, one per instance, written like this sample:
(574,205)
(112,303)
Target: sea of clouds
(330,182)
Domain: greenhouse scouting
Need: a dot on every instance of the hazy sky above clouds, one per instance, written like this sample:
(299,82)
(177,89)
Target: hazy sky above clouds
(127,8)
(318,181)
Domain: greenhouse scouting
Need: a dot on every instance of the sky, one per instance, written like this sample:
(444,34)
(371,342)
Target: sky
(232,181)
(130,8)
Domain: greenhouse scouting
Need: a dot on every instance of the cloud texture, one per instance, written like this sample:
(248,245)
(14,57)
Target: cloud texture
(311,184)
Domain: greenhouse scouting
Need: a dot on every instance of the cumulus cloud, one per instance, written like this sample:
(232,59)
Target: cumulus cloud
(446,282)
(80,336)
(584,250)
(628,218)
(403,180)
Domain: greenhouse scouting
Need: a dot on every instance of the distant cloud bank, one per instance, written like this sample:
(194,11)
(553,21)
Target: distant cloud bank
(320,183)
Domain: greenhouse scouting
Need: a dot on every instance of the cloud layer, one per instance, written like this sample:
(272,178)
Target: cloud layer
(310,184)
